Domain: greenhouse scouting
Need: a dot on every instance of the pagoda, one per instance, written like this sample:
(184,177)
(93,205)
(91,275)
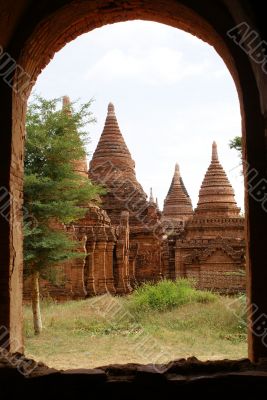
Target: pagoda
(113,167)
(177,204)
(211,249)
(216,195)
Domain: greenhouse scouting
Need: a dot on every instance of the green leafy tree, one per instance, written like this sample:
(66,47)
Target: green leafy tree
(236,144)
(54,193)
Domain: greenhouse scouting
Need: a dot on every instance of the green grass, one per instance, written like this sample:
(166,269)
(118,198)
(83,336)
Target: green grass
(173,316)
(167,294)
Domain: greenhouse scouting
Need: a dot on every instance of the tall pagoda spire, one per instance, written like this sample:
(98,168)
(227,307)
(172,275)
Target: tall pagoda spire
(112,166)
(111,145)
(65,102)
(151,197)
(66,105)
(216,195)
(214,154)
(177,204)
(80,166)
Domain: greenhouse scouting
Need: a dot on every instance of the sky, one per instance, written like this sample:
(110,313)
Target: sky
(173,95)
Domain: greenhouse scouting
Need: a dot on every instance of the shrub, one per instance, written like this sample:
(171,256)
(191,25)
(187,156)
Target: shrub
(166,295)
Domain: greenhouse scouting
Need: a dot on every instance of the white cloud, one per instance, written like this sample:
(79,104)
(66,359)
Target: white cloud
(173,96)
(160,65)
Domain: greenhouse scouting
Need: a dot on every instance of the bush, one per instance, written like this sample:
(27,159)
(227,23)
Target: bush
(166,295)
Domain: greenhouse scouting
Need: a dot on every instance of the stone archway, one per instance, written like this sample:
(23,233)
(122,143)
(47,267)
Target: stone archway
(41,32)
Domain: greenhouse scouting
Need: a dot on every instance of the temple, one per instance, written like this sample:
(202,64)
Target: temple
(113,167)
(211,249)
(177,204)
(127,240)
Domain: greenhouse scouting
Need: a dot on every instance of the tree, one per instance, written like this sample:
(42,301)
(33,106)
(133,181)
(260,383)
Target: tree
(54,193)
(236,144)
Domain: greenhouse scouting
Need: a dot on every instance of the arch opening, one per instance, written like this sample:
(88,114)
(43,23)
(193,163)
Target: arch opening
(64,24)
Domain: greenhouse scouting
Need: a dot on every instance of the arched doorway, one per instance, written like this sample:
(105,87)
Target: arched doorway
(33,47)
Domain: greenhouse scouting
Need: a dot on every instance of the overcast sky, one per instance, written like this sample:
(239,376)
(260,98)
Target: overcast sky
(173,96)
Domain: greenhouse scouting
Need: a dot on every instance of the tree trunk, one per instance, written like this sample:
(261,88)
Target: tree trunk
(36,312)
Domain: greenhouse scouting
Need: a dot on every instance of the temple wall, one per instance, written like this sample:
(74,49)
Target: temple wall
(215,264)
(224,278)
(103,266)
(148,258)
